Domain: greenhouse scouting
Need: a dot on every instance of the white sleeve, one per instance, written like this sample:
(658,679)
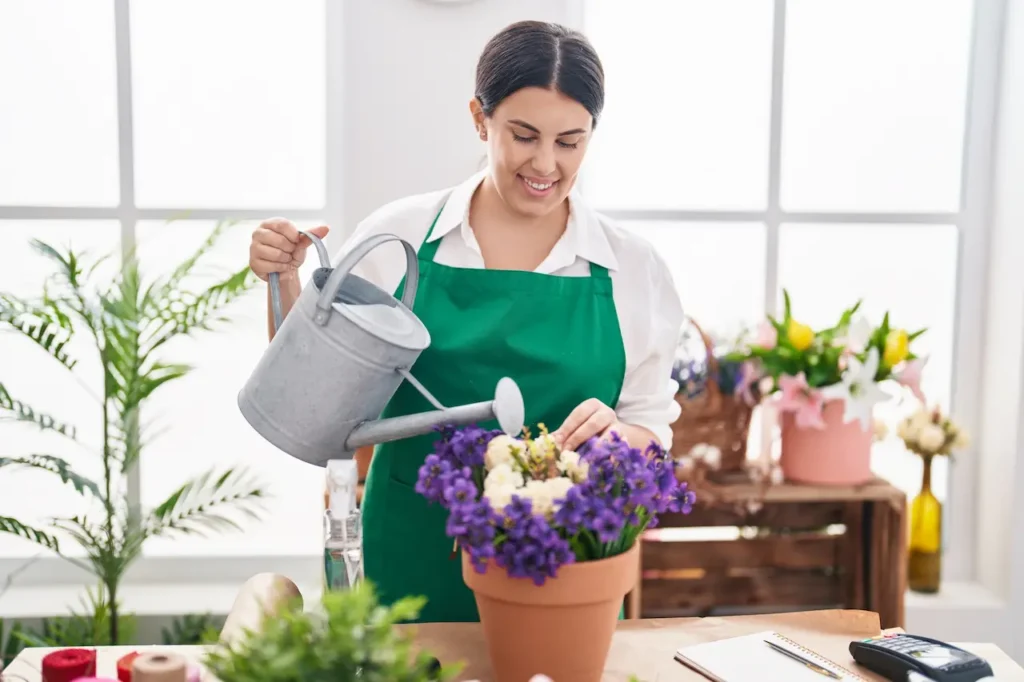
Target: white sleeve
(385,265)
(648,392)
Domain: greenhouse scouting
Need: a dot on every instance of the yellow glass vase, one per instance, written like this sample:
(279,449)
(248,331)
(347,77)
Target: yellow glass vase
(924,570)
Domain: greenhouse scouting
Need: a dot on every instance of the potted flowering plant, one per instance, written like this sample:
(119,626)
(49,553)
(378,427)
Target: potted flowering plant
(826,383)
(549,539)
(928,433)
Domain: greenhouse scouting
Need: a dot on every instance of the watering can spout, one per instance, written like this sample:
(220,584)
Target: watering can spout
(507,408)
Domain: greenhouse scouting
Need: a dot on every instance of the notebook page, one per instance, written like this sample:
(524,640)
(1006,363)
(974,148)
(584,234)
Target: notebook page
(750,659)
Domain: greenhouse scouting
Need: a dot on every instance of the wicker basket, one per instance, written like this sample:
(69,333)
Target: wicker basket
(714,418)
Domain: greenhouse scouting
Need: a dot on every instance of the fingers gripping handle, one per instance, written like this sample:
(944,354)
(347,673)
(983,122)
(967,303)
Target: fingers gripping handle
(333,283)
(275,278)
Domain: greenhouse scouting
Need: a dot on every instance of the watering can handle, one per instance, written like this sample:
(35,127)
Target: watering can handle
(333,283)
(275,279)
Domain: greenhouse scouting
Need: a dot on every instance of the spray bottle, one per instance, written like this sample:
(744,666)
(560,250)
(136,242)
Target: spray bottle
(343,527)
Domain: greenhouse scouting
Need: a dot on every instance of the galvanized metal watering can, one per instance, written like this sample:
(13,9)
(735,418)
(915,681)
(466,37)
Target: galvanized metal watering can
(339,356)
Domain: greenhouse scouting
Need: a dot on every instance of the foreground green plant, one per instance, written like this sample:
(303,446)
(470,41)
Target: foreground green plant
(352,637)
(129,322)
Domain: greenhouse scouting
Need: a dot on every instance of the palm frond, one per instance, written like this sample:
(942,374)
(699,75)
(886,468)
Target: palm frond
(202,504)
(16,410)
(54,465)
(185,312)
(40,325)
(15,527)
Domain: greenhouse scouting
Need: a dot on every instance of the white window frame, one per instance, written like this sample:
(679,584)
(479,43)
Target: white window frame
(962,541)
(46,571)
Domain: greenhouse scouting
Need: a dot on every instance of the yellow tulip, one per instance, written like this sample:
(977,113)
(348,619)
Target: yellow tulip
(897,347)
(800,335)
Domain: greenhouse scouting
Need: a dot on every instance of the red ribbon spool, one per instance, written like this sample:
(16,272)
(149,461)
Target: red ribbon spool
(124,666)
(69,664)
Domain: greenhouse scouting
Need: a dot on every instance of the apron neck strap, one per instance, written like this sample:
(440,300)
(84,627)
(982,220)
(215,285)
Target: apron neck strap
(428,249)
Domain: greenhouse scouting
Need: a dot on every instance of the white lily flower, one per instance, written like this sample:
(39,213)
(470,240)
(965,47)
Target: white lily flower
(858,390)
(858,333)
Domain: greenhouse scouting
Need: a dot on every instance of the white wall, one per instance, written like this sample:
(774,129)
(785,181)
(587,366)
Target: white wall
(406,121)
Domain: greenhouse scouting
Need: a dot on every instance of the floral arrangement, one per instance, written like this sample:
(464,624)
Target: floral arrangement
(847,361)
(929,432)
(531,507)
(692,369)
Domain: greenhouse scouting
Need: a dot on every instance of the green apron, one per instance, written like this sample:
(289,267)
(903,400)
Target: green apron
(557,337)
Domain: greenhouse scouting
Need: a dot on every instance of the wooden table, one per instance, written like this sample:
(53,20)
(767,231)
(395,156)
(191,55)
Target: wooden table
(799,547)
(643,647)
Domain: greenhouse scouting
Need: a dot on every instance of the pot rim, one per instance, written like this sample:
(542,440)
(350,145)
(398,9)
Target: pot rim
(585,582)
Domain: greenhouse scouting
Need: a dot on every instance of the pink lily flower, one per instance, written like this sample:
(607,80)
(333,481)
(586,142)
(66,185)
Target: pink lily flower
(910,377)
(767,336)
(800,398)
(748,379)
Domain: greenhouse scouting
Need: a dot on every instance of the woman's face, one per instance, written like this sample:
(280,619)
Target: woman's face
(536,139)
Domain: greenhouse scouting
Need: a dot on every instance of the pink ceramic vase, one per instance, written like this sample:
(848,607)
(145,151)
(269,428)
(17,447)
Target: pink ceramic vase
(838,454)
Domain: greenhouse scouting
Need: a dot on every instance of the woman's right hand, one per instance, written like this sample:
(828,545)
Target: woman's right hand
(277,246)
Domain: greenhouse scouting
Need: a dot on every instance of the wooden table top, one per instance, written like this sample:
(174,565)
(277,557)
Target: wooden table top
(643,648)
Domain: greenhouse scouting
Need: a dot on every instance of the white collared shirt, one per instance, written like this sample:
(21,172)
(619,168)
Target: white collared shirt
(650,313)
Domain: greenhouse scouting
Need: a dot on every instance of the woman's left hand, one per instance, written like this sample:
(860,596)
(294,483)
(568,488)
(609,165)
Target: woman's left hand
(590,418)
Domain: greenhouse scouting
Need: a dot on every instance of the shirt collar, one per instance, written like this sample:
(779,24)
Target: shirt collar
(584,234)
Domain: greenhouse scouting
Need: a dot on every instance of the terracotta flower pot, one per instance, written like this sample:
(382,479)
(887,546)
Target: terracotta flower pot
(563,628)
(838,454)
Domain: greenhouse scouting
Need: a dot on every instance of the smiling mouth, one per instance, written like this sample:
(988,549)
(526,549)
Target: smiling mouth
(537,188)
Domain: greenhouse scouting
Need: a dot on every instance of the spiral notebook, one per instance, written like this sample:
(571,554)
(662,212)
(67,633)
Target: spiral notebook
(760,658)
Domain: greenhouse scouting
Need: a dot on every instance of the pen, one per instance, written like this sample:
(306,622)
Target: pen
(807,662)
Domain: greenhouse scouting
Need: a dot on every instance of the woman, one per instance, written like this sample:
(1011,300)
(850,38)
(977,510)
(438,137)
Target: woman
(517,279)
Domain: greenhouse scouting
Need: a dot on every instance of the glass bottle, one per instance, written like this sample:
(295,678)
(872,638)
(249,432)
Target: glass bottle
(924,568)
(343,527)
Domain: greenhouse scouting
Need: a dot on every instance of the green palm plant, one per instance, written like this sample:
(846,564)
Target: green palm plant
(129,322)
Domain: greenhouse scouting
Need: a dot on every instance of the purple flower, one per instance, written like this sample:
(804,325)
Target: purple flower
(625,490)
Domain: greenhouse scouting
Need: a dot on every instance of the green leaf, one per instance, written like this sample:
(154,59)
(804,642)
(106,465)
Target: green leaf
(203,504)
(788,312)
(54,465)
(18,411)
(911,337)
(15,527)
(40,325)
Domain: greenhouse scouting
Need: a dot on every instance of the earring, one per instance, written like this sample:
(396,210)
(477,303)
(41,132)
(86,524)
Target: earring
(483,134)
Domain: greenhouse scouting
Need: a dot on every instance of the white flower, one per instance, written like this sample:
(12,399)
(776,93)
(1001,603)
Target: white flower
(961,440)
(707,453)
(919,420)
(540,495)
(858,390)
(857,335)
(881,430)
(501,496)
(931,438)
(501,476)
(558,487)
(499,451)
(569,463)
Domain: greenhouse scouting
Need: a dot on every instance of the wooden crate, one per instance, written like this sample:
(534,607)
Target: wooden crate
(807,547)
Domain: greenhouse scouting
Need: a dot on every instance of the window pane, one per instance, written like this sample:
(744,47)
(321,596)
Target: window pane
(196,419)
(58,116)
(718,269)
(686,117)
(237,118)
(31,375)
(909,270)
(874,104)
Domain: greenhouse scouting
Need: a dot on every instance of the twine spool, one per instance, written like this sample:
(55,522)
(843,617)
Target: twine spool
(67,665)
(160,666)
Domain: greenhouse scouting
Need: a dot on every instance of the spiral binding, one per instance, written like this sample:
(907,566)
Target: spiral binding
(828,663)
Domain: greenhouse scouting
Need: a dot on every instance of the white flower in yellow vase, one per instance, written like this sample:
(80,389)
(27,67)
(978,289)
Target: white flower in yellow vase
(931,438)
(858,390)
(961,440)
